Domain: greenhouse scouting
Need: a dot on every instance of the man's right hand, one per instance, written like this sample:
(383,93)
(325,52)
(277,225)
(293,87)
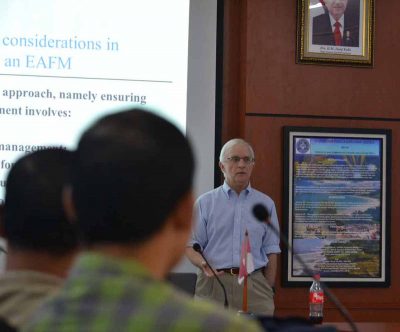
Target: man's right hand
(208,272)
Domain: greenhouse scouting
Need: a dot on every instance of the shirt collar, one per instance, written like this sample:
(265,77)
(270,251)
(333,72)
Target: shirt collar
(227,189)
(333,21)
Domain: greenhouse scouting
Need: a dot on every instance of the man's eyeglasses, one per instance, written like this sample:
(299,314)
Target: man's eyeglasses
(236,160)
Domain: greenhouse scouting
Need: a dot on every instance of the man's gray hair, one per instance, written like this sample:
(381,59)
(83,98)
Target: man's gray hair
(233,142)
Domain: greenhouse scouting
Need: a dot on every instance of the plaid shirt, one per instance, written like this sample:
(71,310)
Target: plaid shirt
(108,294)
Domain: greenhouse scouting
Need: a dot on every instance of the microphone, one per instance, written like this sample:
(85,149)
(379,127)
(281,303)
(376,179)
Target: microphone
(196,247)
(262,215)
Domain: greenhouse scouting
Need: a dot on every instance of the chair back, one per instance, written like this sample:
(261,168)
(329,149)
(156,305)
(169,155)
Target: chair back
(5,327)
(184,281)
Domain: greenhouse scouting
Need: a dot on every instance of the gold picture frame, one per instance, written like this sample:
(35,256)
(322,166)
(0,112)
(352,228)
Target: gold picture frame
(335,32)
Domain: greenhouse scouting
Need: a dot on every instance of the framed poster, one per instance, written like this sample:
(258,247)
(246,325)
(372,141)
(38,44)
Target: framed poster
(337,206)
(335,32)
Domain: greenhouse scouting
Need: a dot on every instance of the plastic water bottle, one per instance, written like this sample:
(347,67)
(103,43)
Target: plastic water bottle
(316,301)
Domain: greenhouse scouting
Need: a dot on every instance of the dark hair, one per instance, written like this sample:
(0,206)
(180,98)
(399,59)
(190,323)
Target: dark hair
(34,217)
(132,168)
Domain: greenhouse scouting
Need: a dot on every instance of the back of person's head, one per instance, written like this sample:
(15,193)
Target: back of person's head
(132,169)
(34,217)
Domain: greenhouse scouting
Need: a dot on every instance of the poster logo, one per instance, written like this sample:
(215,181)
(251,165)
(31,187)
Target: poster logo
(302,145)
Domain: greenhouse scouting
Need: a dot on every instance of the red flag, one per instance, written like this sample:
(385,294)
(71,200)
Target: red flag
(246,259)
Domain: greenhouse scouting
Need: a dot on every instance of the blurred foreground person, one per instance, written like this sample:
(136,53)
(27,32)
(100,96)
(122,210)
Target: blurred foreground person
(41,241)
(131,194)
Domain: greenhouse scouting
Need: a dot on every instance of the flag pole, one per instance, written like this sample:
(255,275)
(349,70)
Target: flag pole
(244,304)
(246,267)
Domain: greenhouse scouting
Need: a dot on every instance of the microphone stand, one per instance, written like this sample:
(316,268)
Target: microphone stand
(196,247)
(345,313)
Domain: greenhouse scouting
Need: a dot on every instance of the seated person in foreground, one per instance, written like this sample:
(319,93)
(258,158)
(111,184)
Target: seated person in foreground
(131,193)
(41,242)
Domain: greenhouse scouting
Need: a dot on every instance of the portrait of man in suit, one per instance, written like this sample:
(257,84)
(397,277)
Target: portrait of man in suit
(338,25)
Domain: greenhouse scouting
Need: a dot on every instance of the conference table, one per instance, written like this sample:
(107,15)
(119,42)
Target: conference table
(368,326)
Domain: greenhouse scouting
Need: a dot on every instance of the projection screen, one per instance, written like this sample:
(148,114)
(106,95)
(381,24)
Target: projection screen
(65,63)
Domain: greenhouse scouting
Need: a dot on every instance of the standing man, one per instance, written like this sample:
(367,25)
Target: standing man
(223,216)
(339,25)
(131,192)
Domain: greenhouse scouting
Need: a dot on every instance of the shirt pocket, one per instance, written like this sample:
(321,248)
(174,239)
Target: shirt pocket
(256,231)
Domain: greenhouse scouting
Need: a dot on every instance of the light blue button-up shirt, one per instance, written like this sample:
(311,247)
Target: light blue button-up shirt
(222,219)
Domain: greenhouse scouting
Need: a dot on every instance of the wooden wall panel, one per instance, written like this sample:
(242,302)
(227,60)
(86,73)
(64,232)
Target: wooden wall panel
(275,84)
(234,68)
(265,90)
(266,135)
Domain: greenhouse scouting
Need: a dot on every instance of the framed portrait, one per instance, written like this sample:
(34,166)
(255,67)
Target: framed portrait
(337,206)
(339,32)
